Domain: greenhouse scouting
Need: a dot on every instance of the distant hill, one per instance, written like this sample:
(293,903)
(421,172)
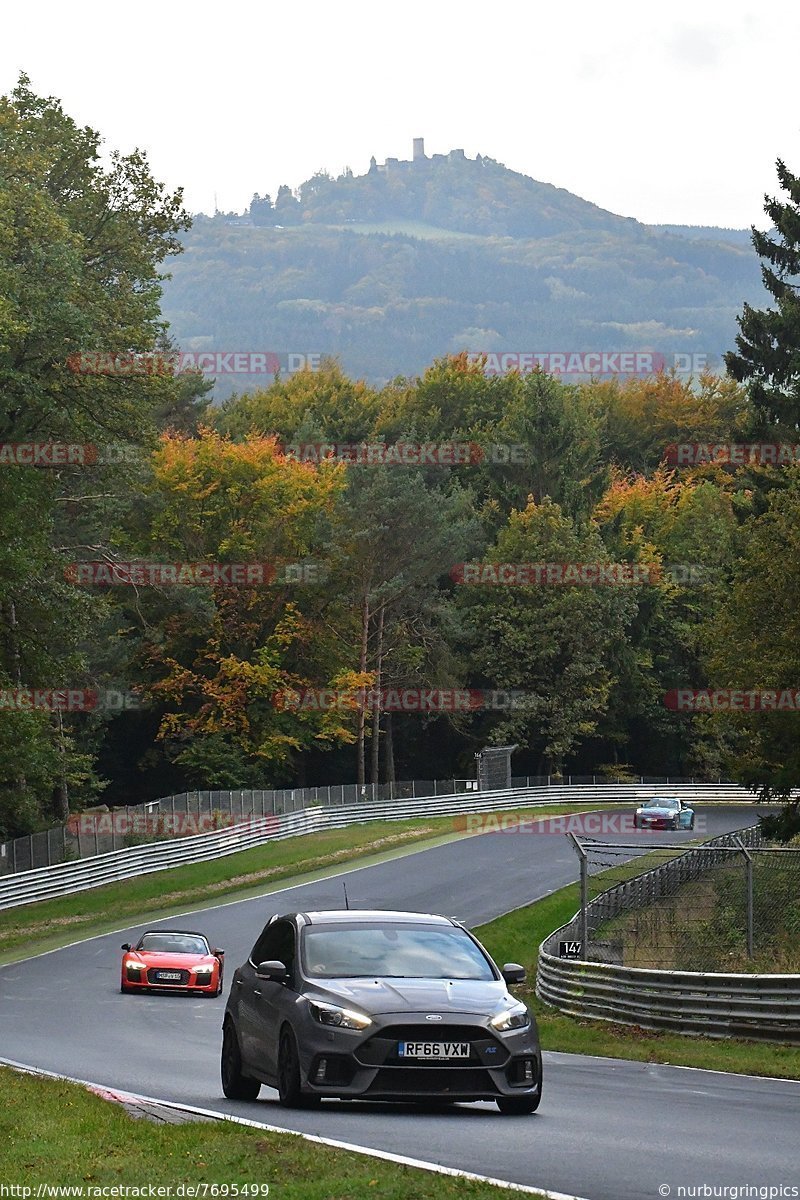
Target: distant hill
(714,233)
(478,196)
(412,260)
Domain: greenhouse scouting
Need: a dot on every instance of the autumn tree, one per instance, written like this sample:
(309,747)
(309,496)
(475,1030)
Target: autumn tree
(216,660)
(550,643)
(754,644)
(683,531)
(81,243)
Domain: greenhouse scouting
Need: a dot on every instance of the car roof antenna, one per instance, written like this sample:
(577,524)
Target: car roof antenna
(346,901)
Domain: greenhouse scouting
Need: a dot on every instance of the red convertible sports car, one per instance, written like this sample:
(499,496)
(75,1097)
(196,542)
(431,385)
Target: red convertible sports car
(172,960)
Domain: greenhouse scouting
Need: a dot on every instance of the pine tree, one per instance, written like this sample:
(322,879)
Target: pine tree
(767,358)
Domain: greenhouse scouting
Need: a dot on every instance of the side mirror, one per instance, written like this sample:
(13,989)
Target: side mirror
(219,953)
(513,973)
(126,945)
(274,971)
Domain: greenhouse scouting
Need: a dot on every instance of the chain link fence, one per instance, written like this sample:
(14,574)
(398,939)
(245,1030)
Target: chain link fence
(731,905)
(104,829)
(99,831)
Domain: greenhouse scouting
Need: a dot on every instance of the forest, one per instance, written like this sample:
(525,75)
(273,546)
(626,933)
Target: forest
(240,576)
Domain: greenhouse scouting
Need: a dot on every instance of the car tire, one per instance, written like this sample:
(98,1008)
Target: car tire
(289,1082)
(518,1106)
(235,1085)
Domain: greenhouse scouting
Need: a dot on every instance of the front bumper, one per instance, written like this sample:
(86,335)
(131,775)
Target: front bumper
(142,981)
(351,1064)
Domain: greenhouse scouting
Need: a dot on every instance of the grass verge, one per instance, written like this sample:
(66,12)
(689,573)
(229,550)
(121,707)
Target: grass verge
(517,937)
(48,924)
(53,1132)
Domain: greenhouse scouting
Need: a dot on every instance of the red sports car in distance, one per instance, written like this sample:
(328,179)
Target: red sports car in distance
(172,960)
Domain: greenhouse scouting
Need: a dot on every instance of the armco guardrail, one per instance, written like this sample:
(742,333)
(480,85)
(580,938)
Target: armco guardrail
(48,882)
(765,1007)
(184,814)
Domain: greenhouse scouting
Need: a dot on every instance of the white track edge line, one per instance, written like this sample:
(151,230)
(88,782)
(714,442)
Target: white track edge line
(364,866)
(640,1062)
(334,1143)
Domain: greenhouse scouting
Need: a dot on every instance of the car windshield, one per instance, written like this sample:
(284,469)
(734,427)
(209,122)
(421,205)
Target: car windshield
(392,951)
(660,804)
(173,943)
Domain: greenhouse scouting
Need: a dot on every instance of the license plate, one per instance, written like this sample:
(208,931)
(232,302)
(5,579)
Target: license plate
(433,1050)
(168,976)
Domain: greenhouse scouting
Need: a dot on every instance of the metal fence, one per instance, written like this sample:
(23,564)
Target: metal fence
(657,905)
(732,906)
(101,831)
(60,879)
(104,830)
(703,940)
(757,1007)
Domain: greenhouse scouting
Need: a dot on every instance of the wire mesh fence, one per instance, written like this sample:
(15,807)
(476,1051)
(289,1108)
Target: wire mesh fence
(109,828)
(732,904)
(98,831)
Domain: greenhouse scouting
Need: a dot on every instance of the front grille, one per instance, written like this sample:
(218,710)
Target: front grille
(434,1031)
(469,1082)
(153,977)
(381,1049)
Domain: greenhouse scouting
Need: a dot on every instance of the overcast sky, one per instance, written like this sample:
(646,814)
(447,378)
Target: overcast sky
(670,113)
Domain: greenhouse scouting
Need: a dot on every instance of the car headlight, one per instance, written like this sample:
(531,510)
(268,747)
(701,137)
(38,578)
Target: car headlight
(511,1018)
(203,970)
(134,966)
(342,1018)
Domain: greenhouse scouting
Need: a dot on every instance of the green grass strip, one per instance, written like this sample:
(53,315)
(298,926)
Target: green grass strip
(58,1133)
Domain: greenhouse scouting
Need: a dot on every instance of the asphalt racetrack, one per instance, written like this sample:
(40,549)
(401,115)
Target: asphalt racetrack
(607,1129)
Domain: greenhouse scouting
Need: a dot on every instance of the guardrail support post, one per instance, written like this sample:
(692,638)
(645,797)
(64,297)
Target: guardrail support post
(584,896)
(748,871)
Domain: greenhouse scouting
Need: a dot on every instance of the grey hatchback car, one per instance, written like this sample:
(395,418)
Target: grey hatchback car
(376,1005)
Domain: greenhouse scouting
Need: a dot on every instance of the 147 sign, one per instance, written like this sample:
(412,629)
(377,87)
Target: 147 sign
(570,949)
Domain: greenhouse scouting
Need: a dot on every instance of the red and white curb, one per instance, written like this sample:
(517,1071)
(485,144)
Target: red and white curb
(132,1098)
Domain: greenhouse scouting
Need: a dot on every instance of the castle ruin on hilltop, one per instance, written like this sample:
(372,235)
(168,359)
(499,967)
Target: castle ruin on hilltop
(419,160)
